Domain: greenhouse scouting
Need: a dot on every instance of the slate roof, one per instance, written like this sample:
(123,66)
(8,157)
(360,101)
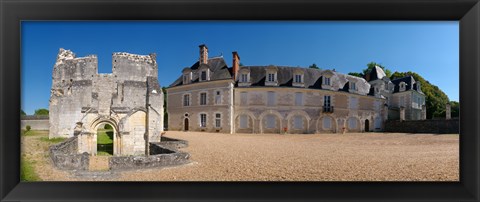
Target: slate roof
(218,67)
(312,78)
(409,80)
(375,73)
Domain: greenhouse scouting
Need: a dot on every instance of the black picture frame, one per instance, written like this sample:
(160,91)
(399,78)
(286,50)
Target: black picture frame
(12,12)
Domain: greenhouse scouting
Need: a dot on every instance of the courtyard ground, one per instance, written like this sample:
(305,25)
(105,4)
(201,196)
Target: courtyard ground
(274,157)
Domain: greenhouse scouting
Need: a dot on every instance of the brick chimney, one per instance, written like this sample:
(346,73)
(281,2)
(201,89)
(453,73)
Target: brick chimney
(235,64)
(203,54)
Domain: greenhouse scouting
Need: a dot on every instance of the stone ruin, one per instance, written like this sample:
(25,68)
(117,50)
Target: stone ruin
(129,99)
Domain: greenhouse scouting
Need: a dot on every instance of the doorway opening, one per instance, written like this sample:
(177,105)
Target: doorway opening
(185,124)
(367,124)
(105,135)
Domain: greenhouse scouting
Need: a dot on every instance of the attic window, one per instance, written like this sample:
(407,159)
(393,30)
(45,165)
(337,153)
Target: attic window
(326,81)
(203,76)
(353,86)
(298,78)
(402,86)
(271,77)
(187,78)
(244,78)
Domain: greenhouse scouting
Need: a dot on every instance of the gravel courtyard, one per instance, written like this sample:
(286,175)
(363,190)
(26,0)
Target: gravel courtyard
(312,157)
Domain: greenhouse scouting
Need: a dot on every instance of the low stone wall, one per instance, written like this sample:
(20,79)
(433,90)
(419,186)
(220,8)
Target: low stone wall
(172,142)
(35,122)
(451,126)
(162,154)
(64,155)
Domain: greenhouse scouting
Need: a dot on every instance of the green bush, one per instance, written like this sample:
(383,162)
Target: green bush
(28,128)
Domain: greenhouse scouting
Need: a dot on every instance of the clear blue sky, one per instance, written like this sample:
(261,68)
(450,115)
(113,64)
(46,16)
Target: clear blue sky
(428,48)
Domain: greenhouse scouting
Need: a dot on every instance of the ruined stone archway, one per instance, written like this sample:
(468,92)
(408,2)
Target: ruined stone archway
(93,128)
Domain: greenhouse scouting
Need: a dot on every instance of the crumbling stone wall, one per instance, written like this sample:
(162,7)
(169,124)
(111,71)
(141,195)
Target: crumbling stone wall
(64,155)
(130,99)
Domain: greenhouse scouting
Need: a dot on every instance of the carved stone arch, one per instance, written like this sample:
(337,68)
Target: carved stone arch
(92,126)
(320,122)
(359,123)
(267,112)
(298,113)
(247,113)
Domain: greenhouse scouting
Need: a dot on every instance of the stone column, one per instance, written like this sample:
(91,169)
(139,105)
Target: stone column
(448,111)
(424,112)
(402,113)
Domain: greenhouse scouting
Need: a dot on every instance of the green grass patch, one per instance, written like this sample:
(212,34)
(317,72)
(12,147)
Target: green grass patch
(105,142)
(27,173)
(103,153)
(33,132)
(104,137)
(53,140)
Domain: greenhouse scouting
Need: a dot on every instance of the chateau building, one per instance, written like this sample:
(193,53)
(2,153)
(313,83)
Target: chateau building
(210,96)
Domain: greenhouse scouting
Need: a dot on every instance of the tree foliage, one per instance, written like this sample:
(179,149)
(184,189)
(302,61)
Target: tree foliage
(314,66)
(435,100)
(455,108)
(22,113)
(41,112)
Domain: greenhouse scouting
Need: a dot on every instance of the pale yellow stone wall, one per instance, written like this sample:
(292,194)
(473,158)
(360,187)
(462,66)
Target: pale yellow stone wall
(177,112)
(311,111)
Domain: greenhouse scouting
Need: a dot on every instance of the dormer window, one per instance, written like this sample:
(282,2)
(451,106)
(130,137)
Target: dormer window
(187,75)
(271,74)
(203,76)
(326,81)
(353,86)
(244,78)
(271,77)
(402,86)
(298,80)
(204,73)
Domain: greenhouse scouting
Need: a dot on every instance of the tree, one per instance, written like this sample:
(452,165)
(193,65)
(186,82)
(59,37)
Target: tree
(165,114)
(314,66)
(356,74)
(435,99)
(241,64)
(41,112)
(22,113)
(455,108)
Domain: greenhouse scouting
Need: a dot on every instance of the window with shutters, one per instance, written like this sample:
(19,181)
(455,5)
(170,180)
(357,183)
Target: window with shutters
(270,121)
(270,98)
(327,123)
(298,99)
(352,123)
(218,97)
(203,120)
(243,98)
(298,122)
(243,121)
(218,120)
(203,98)
(186,100)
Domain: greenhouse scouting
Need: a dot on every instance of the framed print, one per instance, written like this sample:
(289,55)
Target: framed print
(239,100)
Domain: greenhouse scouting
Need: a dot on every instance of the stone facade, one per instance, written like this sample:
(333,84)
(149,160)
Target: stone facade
(277,99)
(129,99)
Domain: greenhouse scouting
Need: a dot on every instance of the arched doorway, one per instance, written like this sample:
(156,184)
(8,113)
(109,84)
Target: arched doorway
(185,124)
(105,139)
(367,125)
